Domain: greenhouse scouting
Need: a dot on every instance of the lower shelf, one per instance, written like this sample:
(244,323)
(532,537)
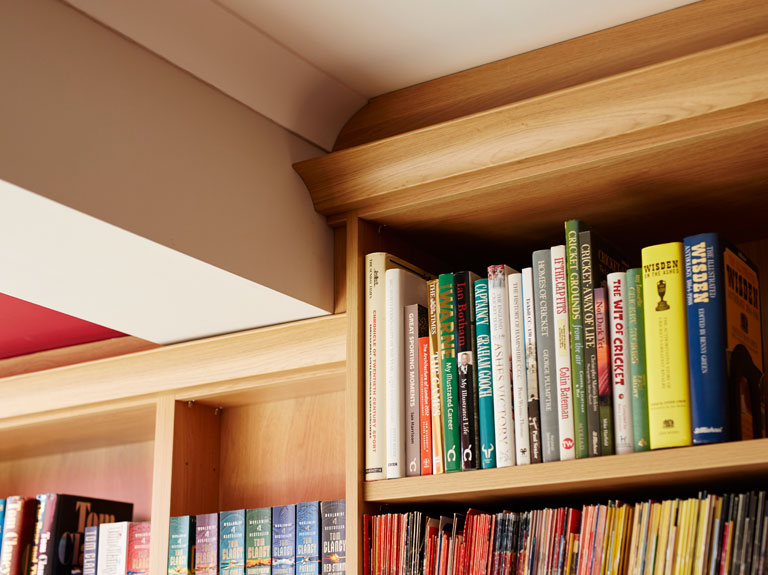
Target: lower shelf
(719,464)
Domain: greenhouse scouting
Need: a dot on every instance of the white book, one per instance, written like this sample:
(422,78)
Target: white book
(562,353)
(498,304)
(519,382)
(622,389)
(113,548)
(402,288)
(531,365)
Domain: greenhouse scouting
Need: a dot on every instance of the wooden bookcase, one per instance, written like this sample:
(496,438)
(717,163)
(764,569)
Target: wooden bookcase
(648,131)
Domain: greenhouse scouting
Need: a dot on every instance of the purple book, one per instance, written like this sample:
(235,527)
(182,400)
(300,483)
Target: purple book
(206,545)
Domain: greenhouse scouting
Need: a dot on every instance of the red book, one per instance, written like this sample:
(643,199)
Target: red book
(18,535)
(137,555)
(425,412)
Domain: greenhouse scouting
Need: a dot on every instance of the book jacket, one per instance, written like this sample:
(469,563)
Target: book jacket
(91,550)
(181,545)
(308,538)
(484,376)
(283,539)
(18,535)
(637,370)
(137,554)
(334,538)
(258,541)
(232,542)
(207,544)
(466,355)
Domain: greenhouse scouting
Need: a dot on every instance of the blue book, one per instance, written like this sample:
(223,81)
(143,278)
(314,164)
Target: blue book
(484,376)
(283,539)
(334,537)
(90,549)
(2,519)
(232,542)
(307,538)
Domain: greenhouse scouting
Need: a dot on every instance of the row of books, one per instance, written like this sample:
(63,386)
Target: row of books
(296,539)
(566,359)
(56,534)
(708,534)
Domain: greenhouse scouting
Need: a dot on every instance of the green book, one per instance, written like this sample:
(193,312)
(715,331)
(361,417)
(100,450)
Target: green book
(181,545)
(637,368)
(484,376)
(449,383)
(576,326)
(258,541)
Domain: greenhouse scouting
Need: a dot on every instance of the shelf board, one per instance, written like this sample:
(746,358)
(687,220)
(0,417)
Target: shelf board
(609,474)
(282,359)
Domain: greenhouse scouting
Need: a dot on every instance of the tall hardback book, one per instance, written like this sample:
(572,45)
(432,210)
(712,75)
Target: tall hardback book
(466,372)
(258,541)
(637,370)
(560,325)
(113,548)
(59,548)
(425,397)
(308,538)
(207,544)
(545,349)
(18,535)
(448,373)
(605,394)
(376,265)
(137,552)
(504,423)
(576,326)
(415,325)
(283,539)
(232,542)
(724,330)
(91,550)
(181,545)
(622,392)
(41,503)
(597,258)
(403,288)
(666,349)
(334,536)
(484,376)
(435,388)
(531,365)
(518,376)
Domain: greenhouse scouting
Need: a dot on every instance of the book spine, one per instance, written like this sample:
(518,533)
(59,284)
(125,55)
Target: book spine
(232,542)
(33,564)
(283,540)
(44,551)
(545,349)
(435,377)
(484,376)
(375,353)
(466,369)
(18,535)
(206,544)
(308,538)
(562,350)
(425,400)
(258,541)
(604,371)
(137,553)
(395,418)
(637,370)
(531,365)
(91,548)
(181,545)
(666,346)
(622,394)
(519,383)
(451,435)
(334,537)
(113,548)
(590,342)
(706,337)
(2,519)
(576,326)
(412,438)
(498,304)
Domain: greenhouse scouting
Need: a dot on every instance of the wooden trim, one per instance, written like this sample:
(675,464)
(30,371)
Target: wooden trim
(597,475)
(658,38)
(162,484)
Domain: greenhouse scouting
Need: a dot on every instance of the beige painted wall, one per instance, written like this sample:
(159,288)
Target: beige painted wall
(94,121)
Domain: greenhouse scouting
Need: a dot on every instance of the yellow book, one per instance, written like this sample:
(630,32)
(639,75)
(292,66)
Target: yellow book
(653,538)
(664,529)
(666,346)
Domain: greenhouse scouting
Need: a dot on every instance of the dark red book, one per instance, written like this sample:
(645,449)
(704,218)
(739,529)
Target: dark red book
(18,535)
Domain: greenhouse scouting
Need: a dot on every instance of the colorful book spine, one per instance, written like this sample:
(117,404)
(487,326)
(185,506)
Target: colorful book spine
(18,535)
(466,369)
(519,382)
(637,370)
(232,542)
(283,540)
(605,393)
(669,410)
(308,538)
(435,377)
(484,376)
(42,505)
(425,399)
(622,392)
(562,350)
(2,519)
(258,541)
(576,326)
(448,370)
(181,545)
(545,349)
(207,544)
(415,324)
(498,305)
(91,549)
(113,548)
(531,365)
(137,552)
(334,538)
